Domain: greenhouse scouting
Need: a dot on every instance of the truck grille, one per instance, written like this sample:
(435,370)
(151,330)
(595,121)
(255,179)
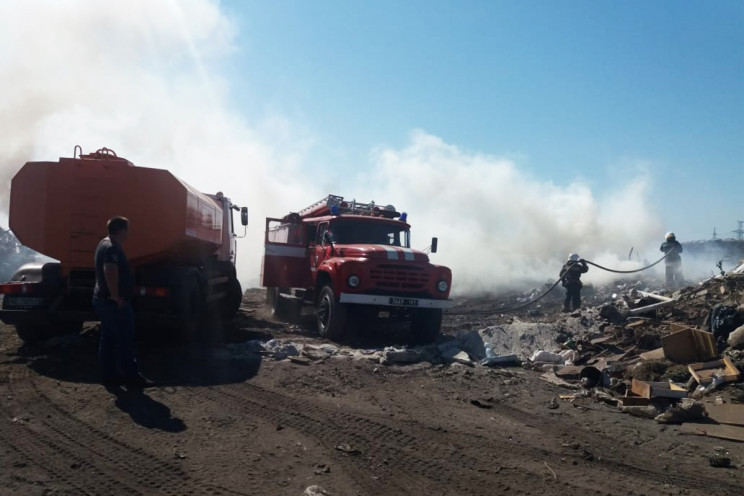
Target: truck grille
(406,277)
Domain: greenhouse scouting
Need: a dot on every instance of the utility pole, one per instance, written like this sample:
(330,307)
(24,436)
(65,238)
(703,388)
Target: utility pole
(739,232)
(714,234)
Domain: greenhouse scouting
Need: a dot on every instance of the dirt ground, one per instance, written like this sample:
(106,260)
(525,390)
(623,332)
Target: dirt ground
(221,425)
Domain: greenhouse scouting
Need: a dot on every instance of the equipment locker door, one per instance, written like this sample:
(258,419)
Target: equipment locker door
(285,255)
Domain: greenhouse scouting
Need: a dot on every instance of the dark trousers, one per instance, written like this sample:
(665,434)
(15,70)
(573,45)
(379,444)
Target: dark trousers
(573,297)
(116,349)
(674,275)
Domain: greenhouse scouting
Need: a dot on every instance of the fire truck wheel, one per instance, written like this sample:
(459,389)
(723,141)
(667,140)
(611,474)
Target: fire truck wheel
(425,325)
(331,315)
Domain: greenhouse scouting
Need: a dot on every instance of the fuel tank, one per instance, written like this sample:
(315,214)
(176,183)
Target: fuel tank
(60,209)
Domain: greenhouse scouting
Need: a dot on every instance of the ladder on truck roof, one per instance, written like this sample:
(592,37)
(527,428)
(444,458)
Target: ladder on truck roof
(323,207)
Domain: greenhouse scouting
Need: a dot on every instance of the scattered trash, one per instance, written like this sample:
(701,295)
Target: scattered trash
(501,360)
(648,411)
(391,355)
(687,410)
(453,355)
(726,414)
(720,459)
(736,338)
(542,356)
(280,350)
(315,491)
(485,404)
(346,448)
(591,377)
(322,468)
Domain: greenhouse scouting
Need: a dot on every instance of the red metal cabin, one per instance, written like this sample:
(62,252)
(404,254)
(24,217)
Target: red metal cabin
(353,259)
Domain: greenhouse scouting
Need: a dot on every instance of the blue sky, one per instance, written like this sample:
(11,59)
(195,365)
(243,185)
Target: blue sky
(569,90)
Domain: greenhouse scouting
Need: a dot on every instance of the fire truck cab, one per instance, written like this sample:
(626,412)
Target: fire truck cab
(351,259)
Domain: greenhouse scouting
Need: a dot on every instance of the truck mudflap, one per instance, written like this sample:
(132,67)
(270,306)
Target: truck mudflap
(394,301)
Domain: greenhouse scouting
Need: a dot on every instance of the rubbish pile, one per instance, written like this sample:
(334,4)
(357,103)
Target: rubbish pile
(676,358)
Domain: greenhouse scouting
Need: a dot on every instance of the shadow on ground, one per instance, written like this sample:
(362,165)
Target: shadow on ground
(204,363)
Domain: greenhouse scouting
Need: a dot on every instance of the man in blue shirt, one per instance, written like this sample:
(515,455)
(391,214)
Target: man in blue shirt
(112,304)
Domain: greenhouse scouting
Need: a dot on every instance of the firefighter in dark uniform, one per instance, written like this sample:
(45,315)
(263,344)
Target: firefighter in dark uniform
(571,275)
(112,304)
(672,248)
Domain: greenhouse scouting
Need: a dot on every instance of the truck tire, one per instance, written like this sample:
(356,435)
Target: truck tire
(234,298)
(331,315)
(425,325)
(35,333)
(190,310)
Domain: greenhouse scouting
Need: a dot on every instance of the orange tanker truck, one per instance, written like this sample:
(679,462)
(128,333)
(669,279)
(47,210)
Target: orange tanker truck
(181,248)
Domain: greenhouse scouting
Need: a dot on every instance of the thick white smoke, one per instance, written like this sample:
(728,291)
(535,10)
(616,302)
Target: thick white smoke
(500,227)
(145,79)
(142,78)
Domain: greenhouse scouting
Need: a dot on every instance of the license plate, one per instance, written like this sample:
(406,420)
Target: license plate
(383,314)
(404,302)
(23,302)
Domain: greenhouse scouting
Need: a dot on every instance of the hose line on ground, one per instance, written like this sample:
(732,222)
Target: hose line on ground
(524,305)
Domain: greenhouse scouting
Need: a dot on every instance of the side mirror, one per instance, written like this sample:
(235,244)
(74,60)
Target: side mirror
(327,239)
(434,242)
(244,216)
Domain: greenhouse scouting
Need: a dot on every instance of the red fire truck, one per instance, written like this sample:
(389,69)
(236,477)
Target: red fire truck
(352,260)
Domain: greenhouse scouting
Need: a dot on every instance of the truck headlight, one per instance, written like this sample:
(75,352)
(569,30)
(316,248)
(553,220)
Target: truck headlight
(353,281)
(442,285)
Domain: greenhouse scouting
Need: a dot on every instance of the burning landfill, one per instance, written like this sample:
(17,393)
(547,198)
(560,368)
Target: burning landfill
(672,356)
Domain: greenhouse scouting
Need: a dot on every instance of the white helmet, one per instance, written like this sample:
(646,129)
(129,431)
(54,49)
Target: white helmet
(573,257)
(669,235)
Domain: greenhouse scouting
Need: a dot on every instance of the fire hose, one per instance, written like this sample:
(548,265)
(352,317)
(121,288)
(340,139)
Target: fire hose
(524,305)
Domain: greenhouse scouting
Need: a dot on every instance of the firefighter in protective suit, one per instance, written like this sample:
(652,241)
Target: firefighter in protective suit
(672,248)
(571,274)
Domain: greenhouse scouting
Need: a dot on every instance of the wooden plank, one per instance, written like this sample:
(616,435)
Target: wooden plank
(719,431)
(634,401)
(704,372)
(726,414)
(657,354)
(657,389)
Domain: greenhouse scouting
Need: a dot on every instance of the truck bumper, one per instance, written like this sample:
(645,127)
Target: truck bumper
(394,301)
(12,317)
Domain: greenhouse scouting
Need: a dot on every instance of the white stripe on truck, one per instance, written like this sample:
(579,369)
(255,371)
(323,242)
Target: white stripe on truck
(285,251)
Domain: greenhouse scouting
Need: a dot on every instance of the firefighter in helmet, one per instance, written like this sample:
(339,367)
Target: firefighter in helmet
(571,280)
(672,248)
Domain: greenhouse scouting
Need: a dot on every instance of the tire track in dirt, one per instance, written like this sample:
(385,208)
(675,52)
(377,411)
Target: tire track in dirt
(650,471)
(406,457)
(130,469)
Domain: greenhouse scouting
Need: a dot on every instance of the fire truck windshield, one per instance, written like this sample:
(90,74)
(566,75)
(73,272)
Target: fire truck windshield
(359,232)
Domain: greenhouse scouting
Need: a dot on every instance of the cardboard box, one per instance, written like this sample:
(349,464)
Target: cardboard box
(688,344)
